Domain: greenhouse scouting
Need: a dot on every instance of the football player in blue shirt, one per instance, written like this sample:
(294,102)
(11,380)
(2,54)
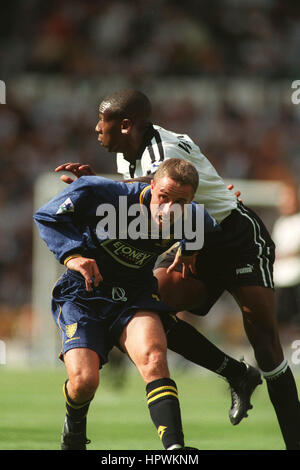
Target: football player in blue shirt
(108,295)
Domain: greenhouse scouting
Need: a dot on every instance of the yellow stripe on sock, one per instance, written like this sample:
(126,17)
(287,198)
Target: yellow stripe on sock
(158,389)
(72,405)
(161,395)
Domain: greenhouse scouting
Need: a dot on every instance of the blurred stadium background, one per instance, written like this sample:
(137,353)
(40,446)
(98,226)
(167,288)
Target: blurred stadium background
(218,70)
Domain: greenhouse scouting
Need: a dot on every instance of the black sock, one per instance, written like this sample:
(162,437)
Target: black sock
(163,404)
(185,340)
(284,397)
(76,413)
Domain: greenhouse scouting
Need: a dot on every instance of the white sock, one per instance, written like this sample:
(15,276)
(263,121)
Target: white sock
(272,374)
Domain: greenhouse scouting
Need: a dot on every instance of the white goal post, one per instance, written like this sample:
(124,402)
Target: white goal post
(45,345)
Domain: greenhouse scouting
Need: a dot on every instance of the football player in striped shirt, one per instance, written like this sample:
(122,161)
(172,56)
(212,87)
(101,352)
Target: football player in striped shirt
(239,259)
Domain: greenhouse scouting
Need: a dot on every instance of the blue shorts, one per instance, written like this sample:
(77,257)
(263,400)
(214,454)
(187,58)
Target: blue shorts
(96,319)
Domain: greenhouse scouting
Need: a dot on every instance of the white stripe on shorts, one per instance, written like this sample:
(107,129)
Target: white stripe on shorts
(260,242)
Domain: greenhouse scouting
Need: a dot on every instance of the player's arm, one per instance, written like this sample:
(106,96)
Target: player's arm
(87,267)
(57,225)
(57,222)
(78,170)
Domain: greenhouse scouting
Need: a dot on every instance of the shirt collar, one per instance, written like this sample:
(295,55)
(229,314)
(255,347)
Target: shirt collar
(149,133)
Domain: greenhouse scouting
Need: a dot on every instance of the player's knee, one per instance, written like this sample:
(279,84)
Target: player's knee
(262,332)
(268,351)
(83,385)
(153,363)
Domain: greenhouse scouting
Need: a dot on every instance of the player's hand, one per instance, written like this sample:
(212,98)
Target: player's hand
(89,270)
(237,193)
(188,264)
(77,169)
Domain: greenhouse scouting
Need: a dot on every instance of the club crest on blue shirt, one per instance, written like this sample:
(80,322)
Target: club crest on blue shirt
(66,206)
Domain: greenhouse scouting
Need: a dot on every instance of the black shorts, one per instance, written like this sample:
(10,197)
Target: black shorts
(242,254)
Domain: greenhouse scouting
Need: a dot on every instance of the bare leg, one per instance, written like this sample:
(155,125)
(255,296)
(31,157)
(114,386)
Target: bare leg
(179,293)
(82,366)
(258,308)
(187,340)
(145,342)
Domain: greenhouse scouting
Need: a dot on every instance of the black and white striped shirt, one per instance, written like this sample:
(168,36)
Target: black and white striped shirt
(160,144)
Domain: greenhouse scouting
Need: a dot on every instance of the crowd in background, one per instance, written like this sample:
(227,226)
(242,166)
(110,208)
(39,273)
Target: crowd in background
(155,37)
(220,71)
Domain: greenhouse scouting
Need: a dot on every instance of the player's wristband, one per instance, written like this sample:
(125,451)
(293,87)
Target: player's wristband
(75,255)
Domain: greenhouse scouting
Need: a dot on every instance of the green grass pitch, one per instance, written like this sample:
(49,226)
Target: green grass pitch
(32,412)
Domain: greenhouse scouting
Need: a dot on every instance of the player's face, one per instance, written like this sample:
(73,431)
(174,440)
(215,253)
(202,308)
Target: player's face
(109,132)
(165,193)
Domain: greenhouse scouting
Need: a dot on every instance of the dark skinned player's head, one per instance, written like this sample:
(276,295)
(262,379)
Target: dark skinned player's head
(129,103)
(123,120)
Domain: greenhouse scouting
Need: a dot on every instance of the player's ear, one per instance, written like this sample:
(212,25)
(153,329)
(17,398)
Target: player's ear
(152,184)
(126,126)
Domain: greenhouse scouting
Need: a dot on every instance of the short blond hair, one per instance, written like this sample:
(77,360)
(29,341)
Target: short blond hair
(179,170)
